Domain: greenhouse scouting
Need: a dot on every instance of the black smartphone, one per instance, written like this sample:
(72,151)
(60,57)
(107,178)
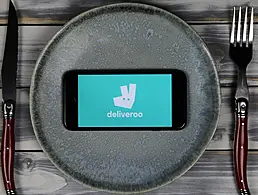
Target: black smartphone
(125,99)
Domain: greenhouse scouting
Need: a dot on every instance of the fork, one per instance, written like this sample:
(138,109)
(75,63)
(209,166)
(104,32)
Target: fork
(241,52)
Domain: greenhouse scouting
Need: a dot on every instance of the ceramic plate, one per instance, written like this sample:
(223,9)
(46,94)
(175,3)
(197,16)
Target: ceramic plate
(122,36)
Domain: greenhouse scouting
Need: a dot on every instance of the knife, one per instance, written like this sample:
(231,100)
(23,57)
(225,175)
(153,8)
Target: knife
(9,72)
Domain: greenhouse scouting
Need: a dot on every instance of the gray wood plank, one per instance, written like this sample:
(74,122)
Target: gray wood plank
(212,174)
(31,41)
(223,138)
(34,38)
(60,11)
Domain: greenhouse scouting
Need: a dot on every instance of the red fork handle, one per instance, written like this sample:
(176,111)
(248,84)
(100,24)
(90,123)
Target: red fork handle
(7,154)
(241,147)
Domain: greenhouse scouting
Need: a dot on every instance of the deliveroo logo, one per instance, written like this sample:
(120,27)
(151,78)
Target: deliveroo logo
(126,100)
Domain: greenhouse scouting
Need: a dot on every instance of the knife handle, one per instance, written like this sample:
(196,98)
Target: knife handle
(8,148)
(241,147)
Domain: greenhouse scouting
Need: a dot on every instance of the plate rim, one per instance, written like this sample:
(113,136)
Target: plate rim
(119,5)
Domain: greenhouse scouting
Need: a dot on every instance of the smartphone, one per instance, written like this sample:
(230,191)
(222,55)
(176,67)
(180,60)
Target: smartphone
(125,99)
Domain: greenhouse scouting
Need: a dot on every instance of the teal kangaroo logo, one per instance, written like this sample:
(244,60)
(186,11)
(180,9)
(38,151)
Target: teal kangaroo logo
(127,99)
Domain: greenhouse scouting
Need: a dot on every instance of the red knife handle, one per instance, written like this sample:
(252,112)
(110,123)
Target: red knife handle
(8,148)
(241,147)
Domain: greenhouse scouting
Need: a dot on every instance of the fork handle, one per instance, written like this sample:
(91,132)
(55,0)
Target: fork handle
(241,146)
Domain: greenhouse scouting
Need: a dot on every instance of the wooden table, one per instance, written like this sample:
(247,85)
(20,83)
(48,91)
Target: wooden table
(213,173)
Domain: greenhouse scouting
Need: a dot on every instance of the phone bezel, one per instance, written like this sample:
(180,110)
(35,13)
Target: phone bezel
(70,98)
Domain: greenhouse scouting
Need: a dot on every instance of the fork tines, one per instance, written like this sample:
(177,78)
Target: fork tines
(247,38)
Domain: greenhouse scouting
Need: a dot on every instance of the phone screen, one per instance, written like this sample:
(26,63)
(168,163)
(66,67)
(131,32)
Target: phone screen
(125,100)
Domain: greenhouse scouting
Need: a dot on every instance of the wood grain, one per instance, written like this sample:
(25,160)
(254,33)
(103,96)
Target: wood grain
(60,11)
(34,38)
(31,41)
(223,138)
(212,174)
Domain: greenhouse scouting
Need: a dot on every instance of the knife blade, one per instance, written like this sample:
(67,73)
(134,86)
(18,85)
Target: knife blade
(9,74)
(9,67)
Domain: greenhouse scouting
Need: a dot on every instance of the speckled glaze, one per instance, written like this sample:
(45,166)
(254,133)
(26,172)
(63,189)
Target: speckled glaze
(122,36)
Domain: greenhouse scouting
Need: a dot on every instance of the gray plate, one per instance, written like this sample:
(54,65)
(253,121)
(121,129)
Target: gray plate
(122,36)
